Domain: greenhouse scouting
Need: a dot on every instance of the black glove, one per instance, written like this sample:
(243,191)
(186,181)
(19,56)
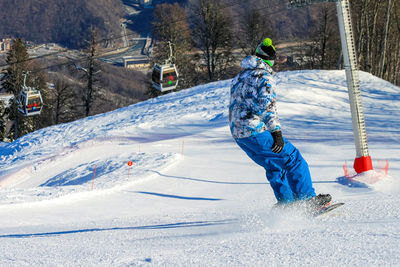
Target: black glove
(278,142)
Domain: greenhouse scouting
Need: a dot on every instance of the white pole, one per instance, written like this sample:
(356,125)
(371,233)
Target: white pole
(363,160)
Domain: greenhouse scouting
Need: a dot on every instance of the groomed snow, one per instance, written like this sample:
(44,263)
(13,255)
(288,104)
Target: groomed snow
(192,197)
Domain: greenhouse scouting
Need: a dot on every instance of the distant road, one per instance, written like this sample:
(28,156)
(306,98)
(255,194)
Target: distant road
(136,48)
(138,21)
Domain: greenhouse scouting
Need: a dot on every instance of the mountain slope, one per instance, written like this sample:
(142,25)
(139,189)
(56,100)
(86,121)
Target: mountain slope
(66,22)
(192,197)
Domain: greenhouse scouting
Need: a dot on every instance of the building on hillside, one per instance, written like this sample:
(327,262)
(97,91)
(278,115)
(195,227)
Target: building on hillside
(136,62)
(5,45)
(146,3)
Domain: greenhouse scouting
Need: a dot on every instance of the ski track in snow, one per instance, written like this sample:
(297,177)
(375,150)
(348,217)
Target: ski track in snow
(192,198)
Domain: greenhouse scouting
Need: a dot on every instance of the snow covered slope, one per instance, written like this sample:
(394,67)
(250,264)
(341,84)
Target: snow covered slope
(192,197)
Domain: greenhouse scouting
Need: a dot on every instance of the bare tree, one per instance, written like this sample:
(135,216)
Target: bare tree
(170,25)
(39,82)
(63,98)
(213,36)
(385,38)
(253,29)
(90,71)
(377,27)
(325,46)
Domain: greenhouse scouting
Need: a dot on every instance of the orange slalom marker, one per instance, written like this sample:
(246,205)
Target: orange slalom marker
(130,163)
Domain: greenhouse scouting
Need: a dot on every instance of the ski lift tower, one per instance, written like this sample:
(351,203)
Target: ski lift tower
(363,160)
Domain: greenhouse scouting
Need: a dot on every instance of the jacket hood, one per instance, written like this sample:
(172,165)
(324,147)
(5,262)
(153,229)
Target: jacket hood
(253,63)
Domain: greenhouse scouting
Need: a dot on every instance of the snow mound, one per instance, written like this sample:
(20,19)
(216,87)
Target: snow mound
(54,178)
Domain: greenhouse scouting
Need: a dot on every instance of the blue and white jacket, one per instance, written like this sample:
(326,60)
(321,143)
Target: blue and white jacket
(252,108)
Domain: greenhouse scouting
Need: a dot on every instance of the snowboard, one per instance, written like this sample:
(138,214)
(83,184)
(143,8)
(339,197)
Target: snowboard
(327,209)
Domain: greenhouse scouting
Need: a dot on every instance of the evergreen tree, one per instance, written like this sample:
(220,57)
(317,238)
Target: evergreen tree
(2,122)
(13,82)
(17,59)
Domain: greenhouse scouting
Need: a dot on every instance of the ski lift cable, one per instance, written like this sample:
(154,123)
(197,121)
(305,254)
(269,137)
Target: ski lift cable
(171,55)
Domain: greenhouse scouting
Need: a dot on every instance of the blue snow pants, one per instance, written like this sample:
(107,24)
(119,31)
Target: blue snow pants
(287,172)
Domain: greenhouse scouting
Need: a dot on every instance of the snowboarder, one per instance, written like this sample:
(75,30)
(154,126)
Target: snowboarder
(256,129)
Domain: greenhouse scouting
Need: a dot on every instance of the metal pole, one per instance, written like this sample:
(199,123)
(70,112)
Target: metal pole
(363,161)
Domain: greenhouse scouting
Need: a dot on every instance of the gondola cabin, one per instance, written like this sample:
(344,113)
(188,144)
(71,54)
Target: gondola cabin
(30,102)
(164,77)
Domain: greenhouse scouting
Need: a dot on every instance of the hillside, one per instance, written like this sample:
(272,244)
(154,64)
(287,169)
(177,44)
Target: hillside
(286,24)
(66,22)
(192,197)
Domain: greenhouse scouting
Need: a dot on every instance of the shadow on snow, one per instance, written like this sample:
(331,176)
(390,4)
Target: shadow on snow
(178,197)
(146,227)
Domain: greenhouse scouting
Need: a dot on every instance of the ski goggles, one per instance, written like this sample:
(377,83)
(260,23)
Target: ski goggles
(269,62)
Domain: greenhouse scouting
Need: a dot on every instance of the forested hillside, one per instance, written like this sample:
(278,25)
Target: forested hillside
(66,22)
(285,23)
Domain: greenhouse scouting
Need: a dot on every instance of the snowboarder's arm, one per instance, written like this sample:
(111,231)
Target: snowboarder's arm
(267,104)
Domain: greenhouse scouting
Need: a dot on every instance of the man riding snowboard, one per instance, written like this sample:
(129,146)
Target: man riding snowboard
(256,129)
